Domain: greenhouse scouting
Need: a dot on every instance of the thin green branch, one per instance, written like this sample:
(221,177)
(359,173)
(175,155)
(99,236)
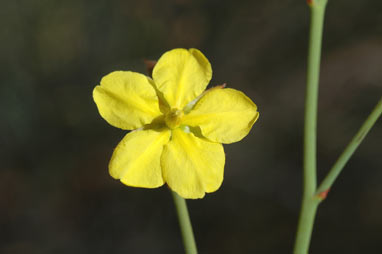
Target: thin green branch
(312,197)
(185,224)
(350,149)
(309,203)
(311,98)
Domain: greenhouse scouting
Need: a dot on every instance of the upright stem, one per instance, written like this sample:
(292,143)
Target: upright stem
(312,196)
(185,224)
(309,202)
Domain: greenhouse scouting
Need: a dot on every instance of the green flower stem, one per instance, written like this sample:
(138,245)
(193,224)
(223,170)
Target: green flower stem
(305,225)
(349,150)
(312,196)
(185,224)
(309,202)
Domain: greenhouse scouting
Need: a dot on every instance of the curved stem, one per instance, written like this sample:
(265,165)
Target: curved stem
(309,203)
(185,224)
(350,149)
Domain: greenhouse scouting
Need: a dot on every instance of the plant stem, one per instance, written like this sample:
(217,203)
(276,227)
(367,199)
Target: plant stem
(349,150)
(309,202)
(185,224)
(305,225)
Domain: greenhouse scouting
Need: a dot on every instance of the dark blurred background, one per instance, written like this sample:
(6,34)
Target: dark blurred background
(55,192)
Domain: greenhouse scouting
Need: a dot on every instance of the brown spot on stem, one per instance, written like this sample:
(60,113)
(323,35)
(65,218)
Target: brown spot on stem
(322,195)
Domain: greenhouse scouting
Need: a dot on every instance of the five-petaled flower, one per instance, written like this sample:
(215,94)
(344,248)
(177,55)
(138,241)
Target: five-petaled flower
(178,129)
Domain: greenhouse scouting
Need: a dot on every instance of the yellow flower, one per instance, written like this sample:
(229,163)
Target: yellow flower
(177,128)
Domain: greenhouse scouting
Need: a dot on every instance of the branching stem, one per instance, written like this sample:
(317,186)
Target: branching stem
(312,196)
(309,202)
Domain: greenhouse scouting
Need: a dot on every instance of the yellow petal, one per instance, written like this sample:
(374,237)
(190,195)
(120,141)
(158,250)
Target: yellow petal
(223,115)
(181,75)
(136,159)
(126,100)
(192,166)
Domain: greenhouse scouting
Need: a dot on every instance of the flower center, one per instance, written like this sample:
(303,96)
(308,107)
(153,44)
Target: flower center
(173,118)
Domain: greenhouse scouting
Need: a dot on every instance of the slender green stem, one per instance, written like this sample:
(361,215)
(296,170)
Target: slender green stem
(309,202)
(311,98)
(185,224)
(349,150)
(312,196)
(305,225)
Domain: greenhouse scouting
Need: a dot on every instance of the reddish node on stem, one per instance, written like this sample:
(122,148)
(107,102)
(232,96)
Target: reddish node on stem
(324,194)
(309,2)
